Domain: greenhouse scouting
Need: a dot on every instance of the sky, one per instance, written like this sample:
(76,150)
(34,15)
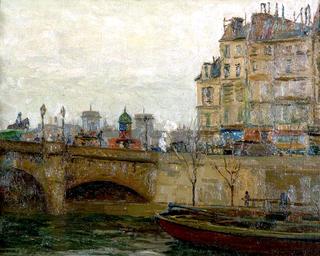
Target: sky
(142,54)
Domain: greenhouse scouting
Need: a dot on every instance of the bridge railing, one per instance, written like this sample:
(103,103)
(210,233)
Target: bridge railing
(20,146)
(114,154)
(56,148)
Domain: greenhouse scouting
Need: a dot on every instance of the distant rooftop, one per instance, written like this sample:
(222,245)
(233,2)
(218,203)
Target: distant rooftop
(266,26)
(90,114)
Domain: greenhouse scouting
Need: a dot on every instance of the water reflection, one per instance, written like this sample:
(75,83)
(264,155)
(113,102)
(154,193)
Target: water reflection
(91,233)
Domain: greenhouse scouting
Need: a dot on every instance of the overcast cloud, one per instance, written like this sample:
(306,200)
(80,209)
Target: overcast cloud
(110,54)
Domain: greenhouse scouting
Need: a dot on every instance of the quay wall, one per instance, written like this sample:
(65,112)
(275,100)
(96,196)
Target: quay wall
(262,177)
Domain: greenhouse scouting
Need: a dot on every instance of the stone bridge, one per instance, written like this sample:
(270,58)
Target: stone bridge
(58,167)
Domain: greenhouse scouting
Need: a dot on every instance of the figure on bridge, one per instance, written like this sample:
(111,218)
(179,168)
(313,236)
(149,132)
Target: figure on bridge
(19,123)
(19,119)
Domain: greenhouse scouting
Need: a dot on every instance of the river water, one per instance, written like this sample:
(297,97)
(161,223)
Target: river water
(92,228)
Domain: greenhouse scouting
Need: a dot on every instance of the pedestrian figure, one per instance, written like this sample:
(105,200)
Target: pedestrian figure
(284,201)
(69,140)
(246,199)
(37,139)
(100,138)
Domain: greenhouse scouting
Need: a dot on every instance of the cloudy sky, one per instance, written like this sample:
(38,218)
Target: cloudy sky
(110,53)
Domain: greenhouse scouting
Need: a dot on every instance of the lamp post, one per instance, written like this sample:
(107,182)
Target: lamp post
(43,110)
(63,114)
(145,119)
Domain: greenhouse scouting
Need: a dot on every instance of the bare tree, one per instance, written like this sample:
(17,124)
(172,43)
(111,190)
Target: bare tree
(230,173)
(315,201)
(191,159)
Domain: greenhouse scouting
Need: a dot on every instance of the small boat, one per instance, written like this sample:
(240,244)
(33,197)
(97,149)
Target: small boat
(250,234)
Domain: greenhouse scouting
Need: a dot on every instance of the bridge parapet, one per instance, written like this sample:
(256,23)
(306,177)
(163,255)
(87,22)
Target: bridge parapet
(114,154)
(20,146)
(56,148)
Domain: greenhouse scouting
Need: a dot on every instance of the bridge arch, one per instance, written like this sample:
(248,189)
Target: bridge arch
(103,190)
(132,175)
(131,186)
(22,189)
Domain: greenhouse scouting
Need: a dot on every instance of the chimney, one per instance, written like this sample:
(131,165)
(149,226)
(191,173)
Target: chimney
(268,7)
(305,16)
(283,25)
(309,14)
(263,7)
(237,25)
(276,11)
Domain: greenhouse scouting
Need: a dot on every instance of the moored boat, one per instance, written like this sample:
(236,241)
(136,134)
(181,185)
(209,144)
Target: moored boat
(247,234)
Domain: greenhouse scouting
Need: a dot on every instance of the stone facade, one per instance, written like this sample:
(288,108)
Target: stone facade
(208,100)
(233,75)
(262,177)
(269,79)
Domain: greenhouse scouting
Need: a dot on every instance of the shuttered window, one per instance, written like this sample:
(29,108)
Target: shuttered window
(227,93)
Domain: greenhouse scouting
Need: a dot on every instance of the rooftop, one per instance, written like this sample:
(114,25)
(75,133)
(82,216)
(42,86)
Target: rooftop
(266,26)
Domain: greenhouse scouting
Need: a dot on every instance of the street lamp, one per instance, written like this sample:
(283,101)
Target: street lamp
(146,119)
(43,110)
(63,113)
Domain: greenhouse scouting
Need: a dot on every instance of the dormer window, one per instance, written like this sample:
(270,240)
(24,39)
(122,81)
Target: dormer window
(206,71)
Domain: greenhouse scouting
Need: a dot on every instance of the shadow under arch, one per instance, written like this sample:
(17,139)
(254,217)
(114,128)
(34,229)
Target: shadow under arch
(103,190)
(21,190)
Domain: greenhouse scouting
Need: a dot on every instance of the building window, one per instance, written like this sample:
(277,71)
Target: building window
(239,91)
(227,93)
(238,70)
(288,66)
(226,70)
(254,66)
(268,50)
(226,52)
(264,92)
(299,49)
(208,119)
(253,51)
(207,95)
(225,116)
(238,49)
(240,115)
(288,49)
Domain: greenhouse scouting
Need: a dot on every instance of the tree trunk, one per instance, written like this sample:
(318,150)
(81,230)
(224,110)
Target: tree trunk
(193,194)
(232,194)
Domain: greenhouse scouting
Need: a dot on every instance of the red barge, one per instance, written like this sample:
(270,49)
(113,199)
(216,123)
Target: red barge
(250,235)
